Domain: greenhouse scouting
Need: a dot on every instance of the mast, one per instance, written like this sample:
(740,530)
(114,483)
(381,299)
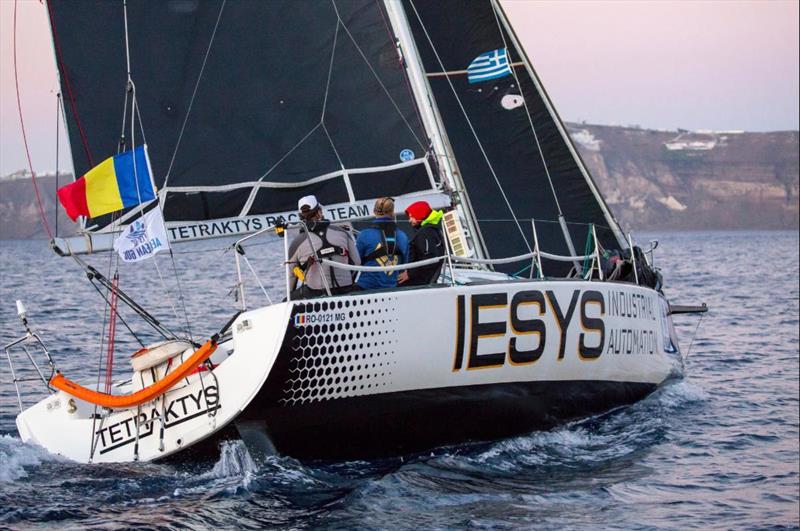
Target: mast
(63,105)
(432,119)
(612,222)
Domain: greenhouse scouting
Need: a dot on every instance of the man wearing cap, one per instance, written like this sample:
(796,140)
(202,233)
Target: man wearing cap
(383,244)
(426,243)
(319,240)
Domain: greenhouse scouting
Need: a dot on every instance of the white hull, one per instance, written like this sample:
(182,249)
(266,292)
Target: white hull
(394,350)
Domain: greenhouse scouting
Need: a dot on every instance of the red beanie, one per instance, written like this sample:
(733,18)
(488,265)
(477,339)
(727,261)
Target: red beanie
(419,210)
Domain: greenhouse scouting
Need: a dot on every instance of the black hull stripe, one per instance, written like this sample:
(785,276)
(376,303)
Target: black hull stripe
(389,424)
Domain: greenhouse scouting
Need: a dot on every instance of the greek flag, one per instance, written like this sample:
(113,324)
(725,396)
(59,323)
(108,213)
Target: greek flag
(489,65)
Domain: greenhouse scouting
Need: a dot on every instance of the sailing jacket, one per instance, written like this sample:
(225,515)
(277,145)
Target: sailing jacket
(372,241)
(426,243)
(344,251)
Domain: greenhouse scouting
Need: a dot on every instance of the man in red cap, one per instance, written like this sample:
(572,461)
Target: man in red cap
(426,243)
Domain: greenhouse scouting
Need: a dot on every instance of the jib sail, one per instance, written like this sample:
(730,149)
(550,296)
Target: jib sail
(514,156)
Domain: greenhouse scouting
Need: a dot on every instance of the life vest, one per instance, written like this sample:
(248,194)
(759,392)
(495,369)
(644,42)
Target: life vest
(385,253)
(326,250)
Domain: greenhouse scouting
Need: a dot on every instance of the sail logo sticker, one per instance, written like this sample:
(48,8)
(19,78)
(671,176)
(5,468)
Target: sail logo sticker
(406,155)
(511,101)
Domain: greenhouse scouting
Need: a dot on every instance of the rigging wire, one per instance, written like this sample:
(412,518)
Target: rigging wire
(122,319)
(527,111)
(112,331)
(377,77)
(58,121)
(471,127)
(136,115)
(327,91)
(691,343)
(194,93)
(42,214)
(181,298)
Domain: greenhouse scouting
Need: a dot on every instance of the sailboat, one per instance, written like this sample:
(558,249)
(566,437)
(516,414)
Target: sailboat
(245,107)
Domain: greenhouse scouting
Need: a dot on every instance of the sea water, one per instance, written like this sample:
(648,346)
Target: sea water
(715,449)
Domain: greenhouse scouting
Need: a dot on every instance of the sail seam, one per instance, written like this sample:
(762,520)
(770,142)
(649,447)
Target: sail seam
(471,127)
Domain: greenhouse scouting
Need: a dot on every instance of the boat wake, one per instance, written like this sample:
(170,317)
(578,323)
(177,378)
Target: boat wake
(18,458)
(608,447)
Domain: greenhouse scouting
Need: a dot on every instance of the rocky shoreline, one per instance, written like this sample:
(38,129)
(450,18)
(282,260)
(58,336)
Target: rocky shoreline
(651,180)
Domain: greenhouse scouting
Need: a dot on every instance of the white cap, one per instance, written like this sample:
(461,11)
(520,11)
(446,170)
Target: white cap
(308,202)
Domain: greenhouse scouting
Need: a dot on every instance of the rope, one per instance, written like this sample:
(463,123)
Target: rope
(45,224)
(521,270)
(325,100)
(691,343)
(586,251)
(136,114)
(559,258)
(255,275)
(413,265)
(194,93)
(112,331)
(166,290)
(297,145)
(181,298)
(472,129)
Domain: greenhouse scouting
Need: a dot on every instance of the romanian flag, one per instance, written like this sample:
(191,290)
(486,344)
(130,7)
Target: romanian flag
(122,181)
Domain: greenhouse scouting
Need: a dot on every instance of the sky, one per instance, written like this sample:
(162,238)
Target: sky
(667,64)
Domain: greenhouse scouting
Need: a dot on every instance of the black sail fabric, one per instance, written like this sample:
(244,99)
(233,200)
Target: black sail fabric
(450,34)
(244,91)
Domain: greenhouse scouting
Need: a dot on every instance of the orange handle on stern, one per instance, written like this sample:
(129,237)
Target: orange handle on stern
(148,394)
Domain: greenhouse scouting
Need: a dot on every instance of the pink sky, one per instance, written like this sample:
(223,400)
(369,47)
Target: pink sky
(660,64)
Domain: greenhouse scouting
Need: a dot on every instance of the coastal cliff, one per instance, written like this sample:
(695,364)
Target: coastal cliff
(693,180)
(650,179)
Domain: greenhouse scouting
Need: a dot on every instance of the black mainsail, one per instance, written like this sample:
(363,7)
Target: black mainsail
(514,157)
(245,105)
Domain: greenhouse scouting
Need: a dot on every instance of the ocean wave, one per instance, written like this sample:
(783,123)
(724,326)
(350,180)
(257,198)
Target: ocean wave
(16,458)
(681,393)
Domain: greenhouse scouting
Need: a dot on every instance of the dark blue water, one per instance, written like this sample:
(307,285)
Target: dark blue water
(717,449)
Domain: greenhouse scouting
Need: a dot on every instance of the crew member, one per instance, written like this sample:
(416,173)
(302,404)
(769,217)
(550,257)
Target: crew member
(383,244)
(319,240)
(426,243)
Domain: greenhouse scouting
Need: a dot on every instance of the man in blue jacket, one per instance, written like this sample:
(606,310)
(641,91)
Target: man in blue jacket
(383,244)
